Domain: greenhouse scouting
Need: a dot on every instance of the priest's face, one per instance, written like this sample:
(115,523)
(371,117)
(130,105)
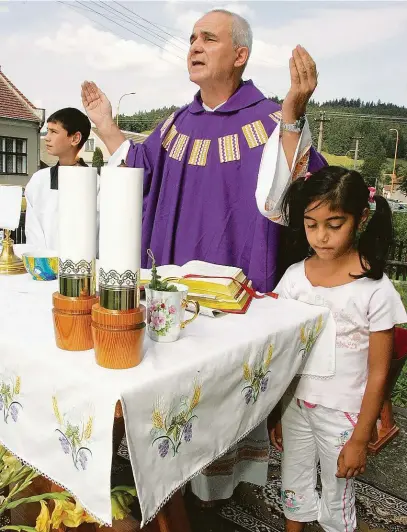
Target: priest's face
(212,56)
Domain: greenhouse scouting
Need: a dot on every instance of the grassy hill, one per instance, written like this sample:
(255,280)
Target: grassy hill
(341,160)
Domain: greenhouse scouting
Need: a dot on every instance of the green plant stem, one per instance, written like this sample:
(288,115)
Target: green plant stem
(36,498)
(20,528)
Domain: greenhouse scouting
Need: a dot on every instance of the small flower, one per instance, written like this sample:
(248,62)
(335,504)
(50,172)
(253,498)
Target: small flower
(269,356)
(303,335)
(83,459)
(188,432)
(196,397)
(64,444)
(172,309)
(163,448)
(89,428)
(14,412)
(162,305)
(157,419)
(17,386)
(264,383)
(246,372)
(56,409)
(43,522)
(248,395)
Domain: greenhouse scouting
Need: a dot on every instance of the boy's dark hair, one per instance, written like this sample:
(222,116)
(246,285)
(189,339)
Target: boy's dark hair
(344,190)
(73,121)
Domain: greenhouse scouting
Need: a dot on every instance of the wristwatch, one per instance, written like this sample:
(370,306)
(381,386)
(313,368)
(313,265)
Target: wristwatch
(296,127)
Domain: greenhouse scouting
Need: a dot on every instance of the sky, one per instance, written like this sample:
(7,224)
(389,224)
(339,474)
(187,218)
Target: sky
(48,48)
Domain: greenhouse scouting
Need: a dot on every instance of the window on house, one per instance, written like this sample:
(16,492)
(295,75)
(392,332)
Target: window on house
(90,145)
(13,155)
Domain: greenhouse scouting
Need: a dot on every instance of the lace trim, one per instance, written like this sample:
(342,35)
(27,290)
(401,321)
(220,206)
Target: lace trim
(315,377)
(193,475)
(88,511)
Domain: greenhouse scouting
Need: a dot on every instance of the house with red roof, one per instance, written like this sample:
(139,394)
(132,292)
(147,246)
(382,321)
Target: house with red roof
(20,125)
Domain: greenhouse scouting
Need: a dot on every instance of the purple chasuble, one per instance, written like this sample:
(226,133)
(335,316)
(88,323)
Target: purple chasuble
(199,186)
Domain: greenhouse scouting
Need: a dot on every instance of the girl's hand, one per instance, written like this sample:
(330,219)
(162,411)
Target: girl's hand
(352,459)
(276,436)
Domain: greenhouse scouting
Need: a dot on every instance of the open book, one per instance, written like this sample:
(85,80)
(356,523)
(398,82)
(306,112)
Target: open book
(212,285)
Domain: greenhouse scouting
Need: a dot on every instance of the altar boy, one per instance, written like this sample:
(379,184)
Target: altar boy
(68,130)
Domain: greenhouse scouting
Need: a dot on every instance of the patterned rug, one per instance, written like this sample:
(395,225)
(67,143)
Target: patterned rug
(256,509)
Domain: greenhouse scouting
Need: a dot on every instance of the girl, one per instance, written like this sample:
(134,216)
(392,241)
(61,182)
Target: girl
(331,420)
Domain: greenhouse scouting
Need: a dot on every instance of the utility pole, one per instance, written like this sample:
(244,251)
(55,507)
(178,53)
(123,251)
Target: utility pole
(356,138)
(322,119)
(393,177)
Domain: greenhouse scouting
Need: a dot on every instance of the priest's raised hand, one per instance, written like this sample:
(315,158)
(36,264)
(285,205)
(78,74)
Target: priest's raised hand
(99,110)
(304,80)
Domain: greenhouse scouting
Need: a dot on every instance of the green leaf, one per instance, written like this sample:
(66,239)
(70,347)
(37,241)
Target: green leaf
(128,489)
(37,498)
(171,429)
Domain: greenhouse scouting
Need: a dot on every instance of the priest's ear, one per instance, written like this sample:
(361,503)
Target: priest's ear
(242,57)
(76,139)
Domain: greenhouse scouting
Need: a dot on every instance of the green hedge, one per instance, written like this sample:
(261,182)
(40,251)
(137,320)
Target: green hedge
(399,396)
(400,225)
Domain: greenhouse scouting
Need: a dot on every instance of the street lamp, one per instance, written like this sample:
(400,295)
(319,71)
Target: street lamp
(118,105)
(395,158)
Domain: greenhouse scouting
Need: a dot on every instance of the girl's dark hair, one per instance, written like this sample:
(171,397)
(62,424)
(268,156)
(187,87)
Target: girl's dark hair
(344,190)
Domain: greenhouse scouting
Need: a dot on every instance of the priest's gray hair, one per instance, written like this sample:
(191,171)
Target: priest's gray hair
(242,34)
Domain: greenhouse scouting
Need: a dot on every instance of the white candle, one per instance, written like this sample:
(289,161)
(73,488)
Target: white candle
(10,206)
(121,208)
(77,191)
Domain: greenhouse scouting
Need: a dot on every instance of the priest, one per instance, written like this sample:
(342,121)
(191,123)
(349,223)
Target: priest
(203,194)
(214,175)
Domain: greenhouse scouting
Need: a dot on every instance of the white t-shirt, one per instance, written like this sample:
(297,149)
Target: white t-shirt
(359,308)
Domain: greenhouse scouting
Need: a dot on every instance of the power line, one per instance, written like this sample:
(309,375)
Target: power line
(81,11)
(335,114)
(152,24)
(131,31)
(123,17)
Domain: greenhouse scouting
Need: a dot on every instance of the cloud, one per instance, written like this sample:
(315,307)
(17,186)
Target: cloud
(62,48)
(102,50)
(237,7)
(333,32)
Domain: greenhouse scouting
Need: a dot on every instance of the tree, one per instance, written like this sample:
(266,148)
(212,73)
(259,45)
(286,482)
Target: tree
(372,169)
(401,173)
(97,160)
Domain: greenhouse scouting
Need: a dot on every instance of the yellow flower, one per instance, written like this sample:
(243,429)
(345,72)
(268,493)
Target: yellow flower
(58,513)
(196,397)
(69,514)
(56,410)
(246,371)
(43,522)
(319,324)
(11,461)
(17,386)
(88,430)
(157,418)
(303,335)
(269,356)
